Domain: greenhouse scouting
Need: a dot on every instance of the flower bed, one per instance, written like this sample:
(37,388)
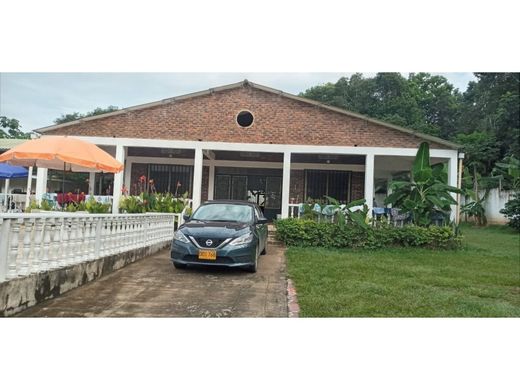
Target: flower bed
(309,233)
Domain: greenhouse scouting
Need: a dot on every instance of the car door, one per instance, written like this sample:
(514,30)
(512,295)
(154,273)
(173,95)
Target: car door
(261,229)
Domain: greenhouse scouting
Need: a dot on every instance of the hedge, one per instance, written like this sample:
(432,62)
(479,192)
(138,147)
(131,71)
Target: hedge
(300,232)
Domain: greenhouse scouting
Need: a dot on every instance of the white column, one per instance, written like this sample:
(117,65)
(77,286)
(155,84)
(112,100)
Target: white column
(41,183)
(369,181)
(211,180)
(92,183)
(197,178)
(29,187)
(127,176)
(286,180)
(118,180)
(452,180)
(6,196)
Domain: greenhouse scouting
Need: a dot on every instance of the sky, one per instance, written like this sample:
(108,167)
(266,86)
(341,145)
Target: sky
(36,99)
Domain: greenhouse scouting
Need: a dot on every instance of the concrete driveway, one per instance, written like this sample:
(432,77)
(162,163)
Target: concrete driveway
(152,287)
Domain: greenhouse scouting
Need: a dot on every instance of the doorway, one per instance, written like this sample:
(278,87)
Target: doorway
(260,186)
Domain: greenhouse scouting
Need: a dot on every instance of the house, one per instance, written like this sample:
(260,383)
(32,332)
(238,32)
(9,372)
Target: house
(248,141)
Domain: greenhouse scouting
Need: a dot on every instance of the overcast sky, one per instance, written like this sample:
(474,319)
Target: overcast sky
(36,99)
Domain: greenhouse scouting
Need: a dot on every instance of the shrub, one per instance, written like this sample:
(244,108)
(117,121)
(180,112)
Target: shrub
(43,205)
(299,232)
(95,207)
(512,211)
(152,202)
(132,204)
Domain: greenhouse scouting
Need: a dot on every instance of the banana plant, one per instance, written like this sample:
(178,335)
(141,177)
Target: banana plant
(356,217)
(508,172)
(426,192)
(476,189)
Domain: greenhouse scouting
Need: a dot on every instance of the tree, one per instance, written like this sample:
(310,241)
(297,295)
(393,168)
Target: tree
(489,109)
(423,102)
(64,118)
(439,102)
(492,104)
(11,128)
(481,150)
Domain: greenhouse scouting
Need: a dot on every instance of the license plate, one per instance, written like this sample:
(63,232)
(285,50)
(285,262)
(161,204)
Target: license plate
(207,254)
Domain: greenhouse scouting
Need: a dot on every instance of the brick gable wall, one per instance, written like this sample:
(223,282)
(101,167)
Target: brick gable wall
(278,120)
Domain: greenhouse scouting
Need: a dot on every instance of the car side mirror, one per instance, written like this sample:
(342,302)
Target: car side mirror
(186,217)
(261,221)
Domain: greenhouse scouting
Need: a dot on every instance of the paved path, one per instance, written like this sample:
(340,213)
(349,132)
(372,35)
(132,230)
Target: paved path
(152,287)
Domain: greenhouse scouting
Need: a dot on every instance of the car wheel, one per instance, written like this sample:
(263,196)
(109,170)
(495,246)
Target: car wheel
(253,267)
(264,252)
(179,265)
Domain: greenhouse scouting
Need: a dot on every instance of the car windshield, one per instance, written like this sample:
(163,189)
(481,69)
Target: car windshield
(223,212)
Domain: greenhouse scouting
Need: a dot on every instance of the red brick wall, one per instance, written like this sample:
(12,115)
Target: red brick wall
(278,120)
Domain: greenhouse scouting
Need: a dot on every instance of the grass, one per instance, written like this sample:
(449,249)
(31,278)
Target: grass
(480,280)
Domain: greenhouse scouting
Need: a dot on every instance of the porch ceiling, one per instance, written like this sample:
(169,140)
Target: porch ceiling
(248,156)
(328,159)
(398,163)
(161,152)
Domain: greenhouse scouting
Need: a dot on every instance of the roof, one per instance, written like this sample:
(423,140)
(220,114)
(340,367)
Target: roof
(9,143)
(246,83)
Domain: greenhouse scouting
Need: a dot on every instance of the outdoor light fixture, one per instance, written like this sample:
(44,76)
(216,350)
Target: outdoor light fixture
(327,157)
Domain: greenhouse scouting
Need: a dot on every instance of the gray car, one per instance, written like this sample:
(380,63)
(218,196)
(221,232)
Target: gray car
(223,233)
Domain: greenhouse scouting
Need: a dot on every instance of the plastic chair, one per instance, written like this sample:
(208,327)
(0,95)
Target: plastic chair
(397,218)
(328,212)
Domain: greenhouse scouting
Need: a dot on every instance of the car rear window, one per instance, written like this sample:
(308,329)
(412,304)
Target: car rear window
(224,212)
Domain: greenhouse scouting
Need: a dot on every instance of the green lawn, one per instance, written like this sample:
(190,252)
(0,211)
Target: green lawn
(481,280)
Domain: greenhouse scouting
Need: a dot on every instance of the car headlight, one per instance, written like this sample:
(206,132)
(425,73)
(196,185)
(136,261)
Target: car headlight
(243,239)
(179,236)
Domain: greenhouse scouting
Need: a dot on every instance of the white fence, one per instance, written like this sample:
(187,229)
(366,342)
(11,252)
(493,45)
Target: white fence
(495,202)
(31,243)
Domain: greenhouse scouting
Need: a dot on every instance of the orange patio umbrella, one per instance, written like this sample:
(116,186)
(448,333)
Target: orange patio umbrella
(62,153)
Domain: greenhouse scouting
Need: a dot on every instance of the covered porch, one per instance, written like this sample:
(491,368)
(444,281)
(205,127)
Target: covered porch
(277,177)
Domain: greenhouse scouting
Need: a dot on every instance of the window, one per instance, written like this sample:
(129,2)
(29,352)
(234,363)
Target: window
(245,119)
(335,184)
(224,212)
(175,179)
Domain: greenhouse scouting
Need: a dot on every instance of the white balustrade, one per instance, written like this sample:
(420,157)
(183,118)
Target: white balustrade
(37,247)
(13,251)
(64,259)
(55,247)
(24,262)
(35,242)
(71,241)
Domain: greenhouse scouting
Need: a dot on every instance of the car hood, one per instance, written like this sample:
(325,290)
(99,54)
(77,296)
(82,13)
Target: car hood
(215,229)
